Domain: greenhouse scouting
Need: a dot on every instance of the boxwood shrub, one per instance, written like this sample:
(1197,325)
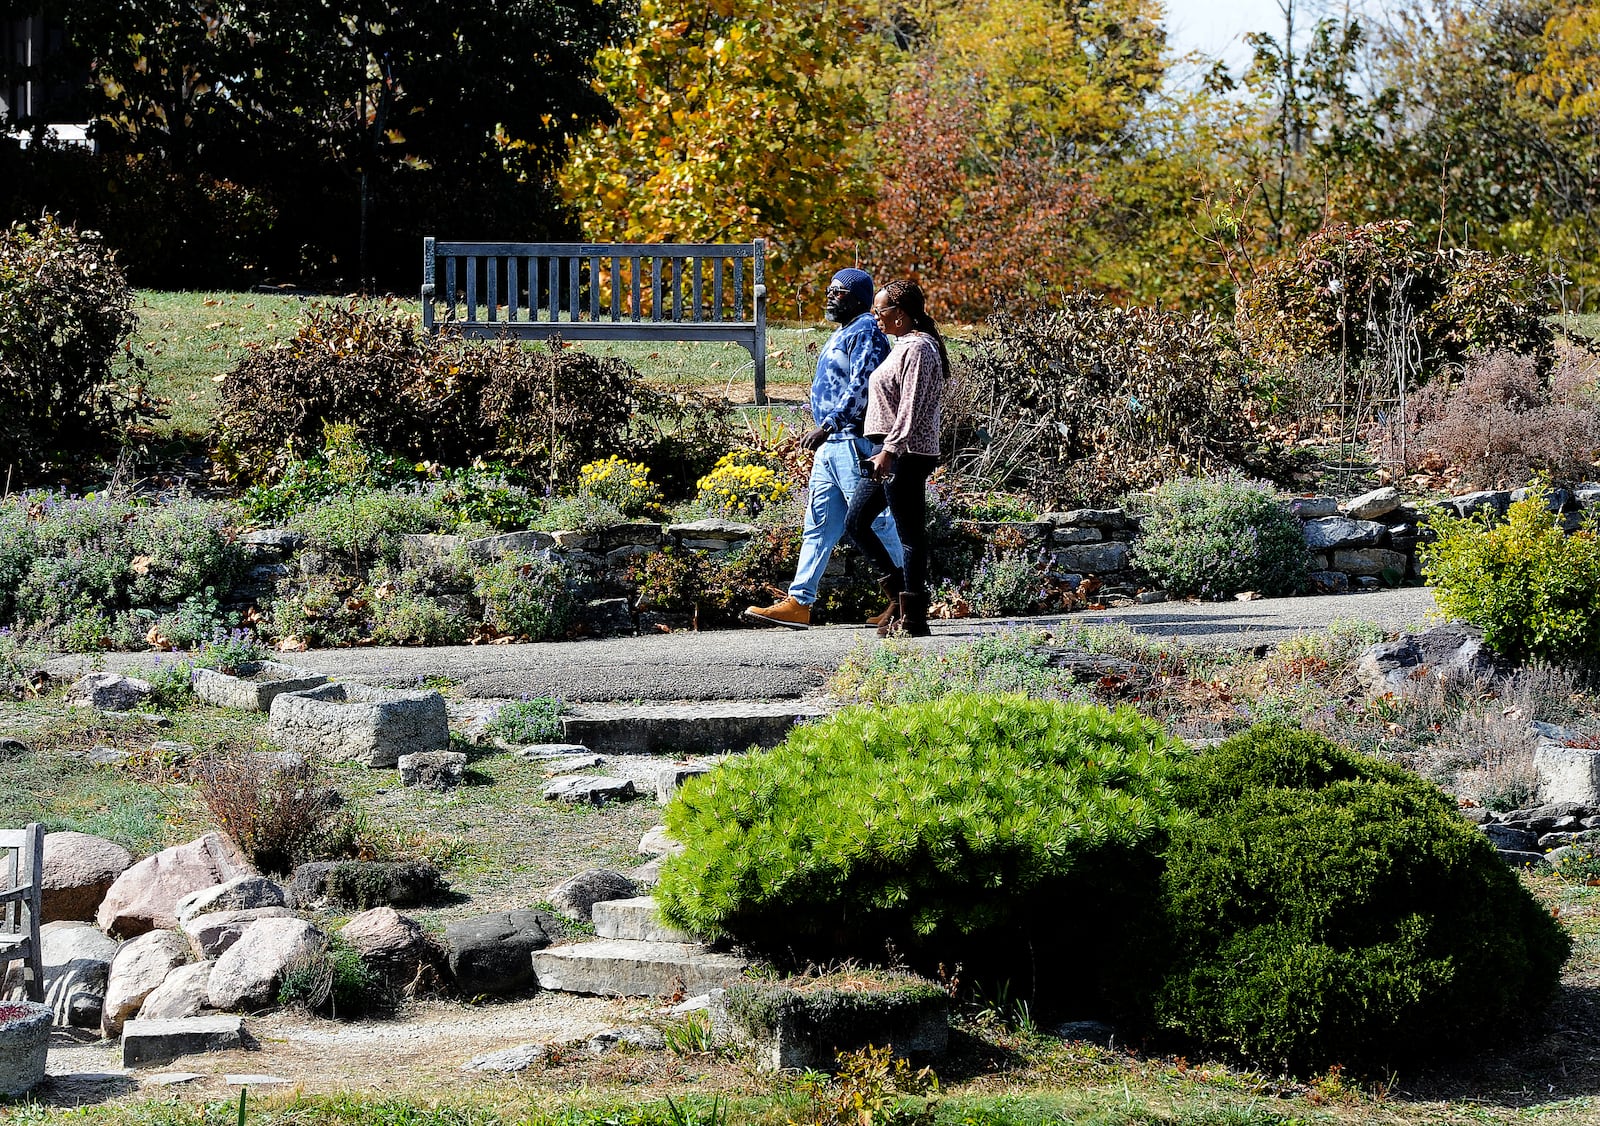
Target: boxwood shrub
(1324,908)
(985,830)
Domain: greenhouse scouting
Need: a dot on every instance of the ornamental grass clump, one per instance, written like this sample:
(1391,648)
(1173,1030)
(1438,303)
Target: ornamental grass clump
(973,829)
(1323,907)
(1215,537)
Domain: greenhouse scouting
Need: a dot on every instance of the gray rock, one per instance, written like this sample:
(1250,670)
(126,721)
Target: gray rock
(1518,859)
(1107,519)
(1452,649)
(1567,839)
(78,871)
(420,548)
(539,751)
(1313,508)
(12,748)
(507,1060)
(149,1042)
(671,777)
(627,535)
(1328,582)
(579,789)
(145,897)
(642,1037)
(182,994)
(211,934)
(362,884)
(575,897)
(1476,815)
(433,770)
(278,539)
(1543,818)
(1493,501)
(1568,774)
(108,692)
(246,977)
(1066,536)
(494,547)
(1587,494)
(349,722)
(808,1028)
(1339,531)
(1506,838)
(569,763)
(241,893)
(607,617)
(102,755)
(494,953)
(635,920)
(658,842)
(1556,500)
(615,968)
(256,686)
(76,961)
(1093,558)
(1370,562)
(648,874)
(1371,506)
(140,966)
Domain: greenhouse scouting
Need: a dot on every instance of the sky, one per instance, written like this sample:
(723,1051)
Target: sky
(1218,27)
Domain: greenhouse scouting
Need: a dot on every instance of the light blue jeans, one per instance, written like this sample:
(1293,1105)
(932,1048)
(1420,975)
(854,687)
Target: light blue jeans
(835,473)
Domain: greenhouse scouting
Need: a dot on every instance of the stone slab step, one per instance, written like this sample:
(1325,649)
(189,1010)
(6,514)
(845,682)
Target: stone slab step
(616,968)
(635,920)
(146,1042)
(707,727)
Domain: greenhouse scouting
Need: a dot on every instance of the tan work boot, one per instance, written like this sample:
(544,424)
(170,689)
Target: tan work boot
(886,621)
(785,612)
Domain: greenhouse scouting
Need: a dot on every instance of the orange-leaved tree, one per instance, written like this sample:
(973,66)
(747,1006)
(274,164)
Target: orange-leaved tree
(971,224)
(737,119)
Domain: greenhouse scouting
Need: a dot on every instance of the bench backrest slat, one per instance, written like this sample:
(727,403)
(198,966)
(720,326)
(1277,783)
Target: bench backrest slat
(599,291)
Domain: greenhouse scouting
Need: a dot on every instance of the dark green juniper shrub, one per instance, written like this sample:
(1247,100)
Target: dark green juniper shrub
(975,830)
(1325,908)
(1214,537)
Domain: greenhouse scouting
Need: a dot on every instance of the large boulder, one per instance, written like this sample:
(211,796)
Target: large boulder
(247,976)
(355,723)
(242,893)
(79,869)
(1451,650)
(75,959)
(140,966)
(393,945)
(494,953)
(575,898)
(212,933)
(145,897)
(184,993)
(360,884)
(108,692)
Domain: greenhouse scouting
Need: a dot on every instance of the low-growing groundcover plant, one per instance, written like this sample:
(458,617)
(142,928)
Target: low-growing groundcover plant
(1214,537)
(1532,588)
(975,830)
(1322,907)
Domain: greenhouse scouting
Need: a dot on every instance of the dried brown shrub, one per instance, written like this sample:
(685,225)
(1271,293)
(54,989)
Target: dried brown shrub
(271,805)
(1502,423)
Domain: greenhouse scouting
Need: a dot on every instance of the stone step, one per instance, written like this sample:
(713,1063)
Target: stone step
(635,920)
(707,727)
(146,1042)
(613,967)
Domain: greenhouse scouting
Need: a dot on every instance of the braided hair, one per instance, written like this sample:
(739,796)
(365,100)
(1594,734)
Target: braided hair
(907,297)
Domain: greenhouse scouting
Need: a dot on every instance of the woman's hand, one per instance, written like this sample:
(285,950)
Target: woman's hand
(882,464)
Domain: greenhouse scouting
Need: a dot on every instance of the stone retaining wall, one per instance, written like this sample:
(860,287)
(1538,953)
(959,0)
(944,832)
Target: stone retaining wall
(1361,543)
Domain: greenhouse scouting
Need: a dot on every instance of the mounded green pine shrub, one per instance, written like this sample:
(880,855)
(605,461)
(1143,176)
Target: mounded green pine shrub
(1327,908)
(980,829)
(1214,537)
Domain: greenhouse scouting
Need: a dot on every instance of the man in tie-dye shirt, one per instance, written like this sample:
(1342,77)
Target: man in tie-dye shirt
(838,402)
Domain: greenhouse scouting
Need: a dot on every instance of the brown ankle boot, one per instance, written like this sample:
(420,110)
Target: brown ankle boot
(913,614)
(885,622)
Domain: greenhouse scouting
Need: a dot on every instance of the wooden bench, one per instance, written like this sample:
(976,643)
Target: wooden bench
(22,881)
(600,291)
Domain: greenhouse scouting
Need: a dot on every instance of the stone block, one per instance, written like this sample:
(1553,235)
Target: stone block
(1340,531)
(615,968)
(1093,558)
(147,1042)
(1371,561)
(628,535)
(1328,582)
(493,953)
(1313,508)
(674,774)
(1568,774)
(1371,506)
(433,770)
(636,920)
(494,547)
(1492,501)
(1066,535)
(580,789)
(807,1029)
(24,1045)
(354,723)
(1106,519)
(360,884)
(78,871)
(255,687)
(577,896)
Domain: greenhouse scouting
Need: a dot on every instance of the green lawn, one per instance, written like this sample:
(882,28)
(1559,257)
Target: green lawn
(187,339)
